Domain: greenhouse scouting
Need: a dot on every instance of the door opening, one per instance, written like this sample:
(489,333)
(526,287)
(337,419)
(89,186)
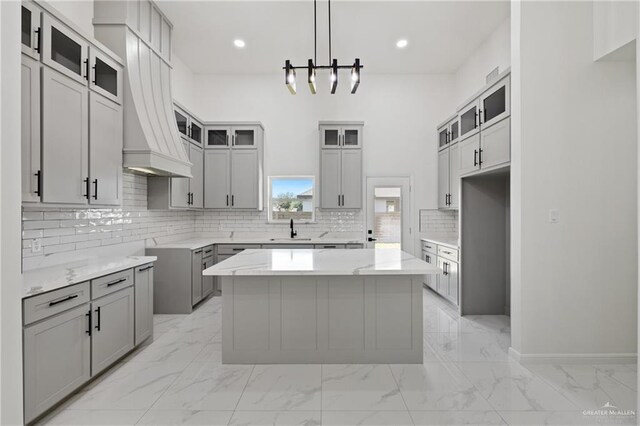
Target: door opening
(388,208)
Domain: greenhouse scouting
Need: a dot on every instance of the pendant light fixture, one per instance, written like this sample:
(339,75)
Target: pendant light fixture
(312,65)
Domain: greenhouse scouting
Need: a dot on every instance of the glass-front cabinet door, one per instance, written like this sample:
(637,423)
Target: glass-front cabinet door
(495,103)
(64,50)
(468,119)
(330,137)
(31,34)
(218,137)
(182,121)
(454,131)
(106,76)
(443,137)
(243,137)
(351,137)
(195,131)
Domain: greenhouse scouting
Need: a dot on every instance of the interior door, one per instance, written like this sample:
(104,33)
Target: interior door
(31,34)
(244,178)
(330,177)
(443,179)
(351,170)
(388,210)
(196,184)
(106,76)
(65,139)
(454,176)
(180,187)
(105,153)
(64,50)
(30,128)
(216,177)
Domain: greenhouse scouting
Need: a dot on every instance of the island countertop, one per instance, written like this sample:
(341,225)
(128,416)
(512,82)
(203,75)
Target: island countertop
(321,262)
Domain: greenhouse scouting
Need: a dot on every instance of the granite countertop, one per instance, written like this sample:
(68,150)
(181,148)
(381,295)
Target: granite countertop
(450,240)
(322,262)
(51,278)
(257,238)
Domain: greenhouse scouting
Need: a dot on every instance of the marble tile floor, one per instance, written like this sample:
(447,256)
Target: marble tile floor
(466,378)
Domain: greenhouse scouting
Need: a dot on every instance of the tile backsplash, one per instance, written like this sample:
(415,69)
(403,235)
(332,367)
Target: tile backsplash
(64,230)
(439,221)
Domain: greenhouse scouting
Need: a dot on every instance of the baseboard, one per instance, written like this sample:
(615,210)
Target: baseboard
(607,358)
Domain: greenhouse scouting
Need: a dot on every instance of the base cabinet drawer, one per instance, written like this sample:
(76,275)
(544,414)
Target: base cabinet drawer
(113,328)
(54,302)
(111,283)
(57,357)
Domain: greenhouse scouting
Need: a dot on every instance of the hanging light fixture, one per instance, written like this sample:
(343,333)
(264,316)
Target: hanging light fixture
(312,65)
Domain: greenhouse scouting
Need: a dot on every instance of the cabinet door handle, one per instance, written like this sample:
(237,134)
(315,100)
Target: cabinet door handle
(475,157)
(480,157)
(38,36)
(95,189)
(208,251)
(342,200)
(189,132)
(86,66)
(475,121)
(88,315)
(227,143)
(98,321)
(233,140)
(480,117)
(145,269)
(86,184)
(233,197)
(227,199)
(66,299)
(121,280)
(93,79)
(37,175)
(338,200)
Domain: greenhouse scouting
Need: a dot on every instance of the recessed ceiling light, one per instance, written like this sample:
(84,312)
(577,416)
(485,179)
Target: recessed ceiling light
(402,43)
(239,43)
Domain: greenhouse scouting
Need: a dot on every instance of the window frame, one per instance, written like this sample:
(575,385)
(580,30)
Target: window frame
(270,195)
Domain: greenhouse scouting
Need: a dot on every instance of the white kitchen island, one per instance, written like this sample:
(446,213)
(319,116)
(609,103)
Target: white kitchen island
(322,306)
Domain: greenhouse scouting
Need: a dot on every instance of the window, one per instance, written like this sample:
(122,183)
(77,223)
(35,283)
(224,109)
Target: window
(292,197)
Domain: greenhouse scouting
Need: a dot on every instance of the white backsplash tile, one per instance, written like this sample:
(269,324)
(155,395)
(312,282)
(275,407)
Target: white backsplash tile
(439,221)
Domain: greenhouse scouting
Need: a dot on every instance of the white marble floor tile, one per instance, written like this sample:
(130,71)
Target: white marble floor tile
(282,388)
(485,324)
(169,349)
(165,322)
(185,417)
(442,418)
(550,418)
(440,321)
(133,387)
(590,386)
(468,347)
(366,418)
(93,417)
(435,386)
(509,386)
(276,418)
(212,352)
(206,387)
(360,387)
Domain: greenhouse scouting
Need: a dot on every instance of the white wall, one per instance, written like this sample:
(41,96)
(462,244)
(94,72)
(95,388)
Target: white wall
(10,290)
(182,84)
(575,282)
(493,52)
(80,12)
(614,25)
(400,115)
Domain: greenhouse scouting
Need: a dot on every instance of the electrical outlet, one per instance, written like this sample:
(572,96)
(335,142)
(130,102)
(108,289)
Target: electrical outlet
(36,245)
(554,215)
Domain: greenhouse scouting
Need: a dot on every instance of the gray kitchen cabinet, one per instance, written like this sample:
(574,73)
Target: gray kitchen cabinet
(452,275)
(218,136)
(449,177)
(180,194)
(143,293)
(208,283)
(105,76)
(233,135)
(468,117)
(442,279)
(495,103)
(196,276)
(448,132)
(244,179)
(443,179)
(64,50)
(217,178)
(330,246)
(196,183)
(495,146)
(430,280)
(190,128)
(105,153)
(113,328)
(31,30)
(454,176)
(340,165)
(30,128)
(57,357)
(65,139)
(469,151)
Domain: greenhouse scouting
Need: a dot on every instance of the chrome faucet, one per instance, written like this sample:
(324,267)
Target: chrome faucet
(293,233)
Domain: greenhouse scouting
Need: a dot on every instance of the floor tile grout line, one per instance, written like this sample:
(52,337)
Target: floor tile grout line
(244,388)
(400,391)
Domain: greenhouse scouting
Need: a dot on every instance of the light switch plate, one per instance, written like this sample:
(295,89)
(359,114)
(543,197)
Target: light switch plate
(554,215)
(36,245)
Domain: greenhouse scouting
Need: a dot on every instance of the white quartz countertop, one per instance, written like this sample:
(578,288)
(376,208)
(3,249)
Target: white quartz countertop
(322,262)
(447,240)
(196,243)
(54,277)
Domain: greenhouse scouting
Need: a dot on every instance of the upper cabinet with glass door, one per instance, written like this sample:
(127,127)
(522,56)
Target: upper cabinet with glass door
(189,127)
(238,136)
(64,50)
(495,103)
(31,31)
(106,76)
(448,133)
(340,136)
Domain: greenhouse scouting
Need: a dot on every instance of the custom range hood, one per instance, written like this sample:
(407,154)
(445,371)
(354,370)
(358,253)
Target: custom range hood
(140,33)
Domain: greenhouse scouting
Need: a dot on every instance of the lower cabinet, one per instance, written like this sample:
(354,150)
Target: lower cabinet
(430,280)
(448,280)
(144,303)
(113,326)
(57,359)
(196,276)
(208,283)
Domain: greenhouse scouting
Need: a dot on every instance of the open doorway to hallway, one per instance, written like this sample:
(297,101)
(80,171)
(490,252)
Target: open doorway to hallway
(388,212)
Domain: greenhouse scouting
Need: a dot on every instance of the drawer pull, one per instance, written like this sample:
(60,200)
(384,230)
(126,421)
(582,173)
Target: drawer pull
(116,282)
(238,249)
(208,251)
(198,251)
(145,269)
(428,247)
(447,252)
(329,246)
(66,299)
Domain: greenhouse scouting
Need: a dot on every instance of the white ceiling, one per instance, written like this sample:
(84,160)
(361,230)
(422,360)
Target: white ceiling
(441,34)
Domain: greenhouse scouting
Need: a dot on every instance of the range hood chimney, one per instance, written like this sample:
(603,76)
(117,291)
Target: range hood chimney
(138,31)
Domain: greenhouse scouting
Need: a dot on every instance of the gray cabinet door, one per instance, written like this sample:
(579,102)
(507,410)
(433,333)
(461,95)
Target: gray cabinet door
(443,279)
(495,103)
(244,179)
(207,282)
(196,276)
(196,183)
(330,177)
(330,137)
(454,176)
(469,155)
(56,359)
(65,139)
(429,280)
(113,328)
(443,178)
(180,186)
(452,274)
(143,293)
(105,76)
(244,137)
(105,153)
(351,174)
(351,137)
(216,177)
(30,127)
(64,50)
(495,144)
(30,37)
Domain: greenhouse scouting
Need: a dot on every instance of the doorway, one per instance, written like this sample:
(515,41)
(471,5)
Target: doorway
(388,210)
